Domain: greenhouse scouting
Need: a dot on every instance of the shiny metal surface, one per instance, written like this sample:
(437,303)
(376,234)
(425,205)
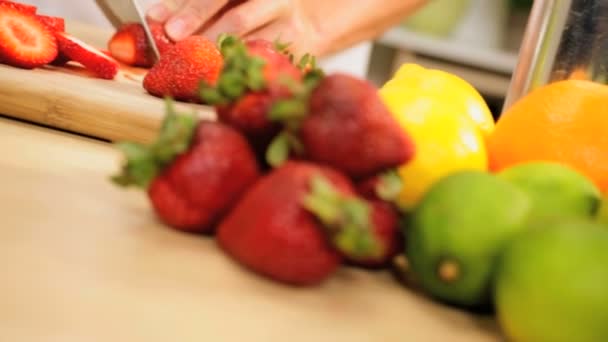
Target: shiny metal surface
(564,39)
(124,11)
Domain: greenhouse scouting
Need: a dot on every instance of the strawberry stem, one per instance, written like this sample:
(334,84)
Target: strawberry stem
(390,185)
(145,162)
(281,46)
(287,110)
(291,112)
(308,63)
(347,219)
(241,73)
(278,150)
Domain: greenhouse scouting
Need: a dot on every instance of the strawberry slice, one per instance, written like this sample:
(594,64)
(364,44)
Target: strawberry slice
(130,46)
(91,58)
(25,42)
(53,23)
(18,6)
(61,60)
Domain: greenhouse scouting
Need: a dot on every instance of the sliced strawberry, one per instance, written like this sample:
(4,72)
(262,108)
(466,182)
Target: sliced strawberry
(24,41)
(61,60)
(92,59)
(21,7)
(53,23)
(130,46)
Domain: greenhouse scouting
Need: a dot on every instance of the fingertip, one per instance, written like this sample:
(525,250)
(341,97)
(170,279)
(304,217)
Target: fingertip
(159,12)
(181,26)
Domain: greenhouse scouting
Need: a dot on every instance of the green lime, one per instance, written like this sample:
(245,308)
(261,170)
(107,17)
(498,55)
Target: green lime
(557,191)
(457,231)
(552,284)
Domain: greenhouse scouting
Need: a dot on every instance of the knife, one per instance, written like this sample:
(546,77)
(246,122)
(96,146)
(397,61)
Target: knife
(120,12)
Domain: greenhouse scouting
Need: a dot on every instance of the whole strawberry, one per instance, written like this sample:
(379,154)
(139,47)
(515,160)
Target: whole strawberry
(182,68)
(294,224)
(252,80)
(350,128)
(343,123)
(194,173)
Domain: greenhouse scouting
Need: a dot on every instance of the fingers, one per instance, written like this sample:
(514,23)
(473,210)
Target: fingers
(185,17)
(247,17)
(163,10)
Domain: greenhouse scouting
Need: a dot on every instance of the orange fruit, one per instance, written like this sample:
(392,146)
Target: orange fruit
(564,122)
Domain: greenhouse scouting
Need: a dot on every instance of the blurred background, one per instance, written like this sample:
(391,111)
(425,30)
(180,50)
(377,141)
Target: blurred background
(475,39)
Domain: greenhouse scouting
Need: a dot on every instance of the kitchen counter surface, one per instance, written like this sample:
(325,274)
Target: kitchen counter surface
(85,261)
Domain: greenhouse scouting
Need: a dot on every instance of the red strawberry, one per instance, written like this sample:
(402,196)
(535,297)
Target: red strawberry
(273,230)
(24,41)
(347,126)
(25,8)
(277,63)
(386,187)
(55,24)
(260,45)
(194,173)
(381,191)
(163,43)
(385,221)
(251,82)
(180,71)
(61,60)
(369,188)
(130,46)
(350,128)
(92,59)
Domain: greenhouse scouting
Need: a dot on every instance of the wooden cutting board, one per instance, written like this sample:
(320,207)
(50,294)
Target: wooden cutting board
(71,99)
(85,261)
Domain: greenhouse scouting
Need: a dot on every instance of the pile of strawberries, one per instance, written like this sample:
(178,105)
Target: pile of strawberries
(294,178)
(29,40)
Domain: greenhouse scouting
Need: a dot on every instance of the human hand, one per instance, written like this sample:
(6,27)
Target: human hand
(286,20)
(318,27)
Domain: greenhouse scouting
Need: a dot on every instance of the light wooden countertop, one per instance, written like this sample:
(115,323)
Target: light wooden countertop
(85,261)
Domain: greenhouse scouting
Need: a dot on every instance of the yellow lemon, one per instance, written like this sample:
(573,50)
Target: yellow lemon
(446,141)
(442,86)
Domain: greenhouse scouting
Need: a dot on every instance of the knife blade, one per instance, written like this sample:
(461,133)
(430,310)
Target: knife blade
(120,12)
